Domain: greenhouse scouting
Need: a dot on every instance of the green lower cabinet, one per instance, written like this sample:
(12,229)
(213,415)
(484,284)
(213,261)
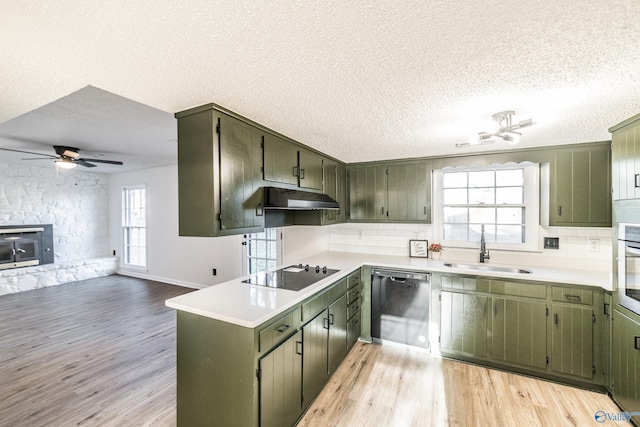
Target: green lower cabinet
(625,362)
(463,323)
(337,333)
(518,332)
(281,384)
(572,340)
(315,337)
(354,328)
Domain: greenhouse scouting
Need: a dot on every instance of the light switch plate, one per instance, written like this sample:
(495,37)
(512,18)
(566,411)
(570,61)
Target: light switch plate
(594,245)
(552,243)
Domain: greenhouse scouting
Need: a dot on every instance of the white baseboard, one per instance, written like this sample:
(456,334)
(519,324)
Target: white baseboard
(142,275)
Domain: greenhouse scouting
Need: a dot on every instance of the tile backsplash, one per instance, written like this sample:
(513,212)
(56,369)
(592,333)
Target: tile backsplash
(581,247)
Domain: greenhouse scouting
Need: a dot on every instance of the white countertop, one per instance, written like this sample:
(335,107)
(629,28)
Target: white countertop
(251,305)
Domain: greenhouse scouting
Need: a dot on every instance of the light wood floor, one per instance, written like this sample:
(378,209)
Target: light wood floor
(101,352)
(391,386)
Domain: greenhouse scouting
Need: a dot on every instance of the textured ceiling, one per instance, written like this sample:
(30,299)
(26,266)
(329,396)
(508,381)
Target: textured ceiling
(359,80)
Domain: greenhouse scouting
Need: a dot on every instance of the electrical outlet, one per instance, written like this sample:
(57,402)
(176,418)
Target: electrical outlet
(215,271)
(594,245)
(552,243)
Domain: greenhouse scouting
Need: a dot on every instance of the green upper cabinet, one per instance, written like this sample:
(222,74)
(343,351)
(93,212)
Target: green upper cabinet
(367,192)
(310,174)
(580,186)
(240,181)
(219,179)
(409,191)
(394,192)
(287,163)
(330,188)
(280,160)
(626,159)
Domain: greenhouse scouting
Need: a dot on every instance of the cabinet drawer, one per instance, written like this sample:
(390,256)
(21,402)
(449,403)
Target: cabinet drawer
(353,294)
(530,290)
(354,308)
(574,295)
(465,283)
(278,331)
(353,279)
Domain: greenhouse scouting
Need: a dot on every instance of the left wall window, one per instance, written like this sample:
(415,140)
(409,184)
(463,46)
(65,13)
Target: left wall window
(134,226)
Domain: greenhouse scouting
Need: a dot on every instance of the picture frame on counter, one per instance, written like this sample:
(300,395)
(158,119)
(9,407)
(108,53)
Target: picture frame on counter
(419,248)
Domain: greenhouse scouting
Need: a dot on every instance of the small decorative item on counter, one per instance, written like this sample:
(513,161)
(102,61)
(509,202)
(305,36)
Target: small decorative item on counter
(418,248)
(435,249)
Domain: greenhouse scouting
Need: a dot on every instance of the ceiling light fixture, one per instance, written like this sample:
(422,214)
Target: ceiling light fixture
(65,163)
(506,130)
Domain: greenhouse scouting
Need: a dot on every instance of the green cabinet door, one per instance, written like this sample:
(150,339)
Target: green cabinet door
(572,340)
(337,332)
(310,169)
(354,329)
(240,180)
(580,187)
(625,145)
(330,188)
(519,332)
(281,384)
(625,362)
(367,193)
(280,160)
(409,191)
(341,192)
(315,337)
(463,323)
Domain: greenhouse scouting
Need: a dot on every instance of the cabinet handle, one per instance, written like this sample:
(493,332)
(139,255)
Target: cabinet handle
(299,348)
(559,210)
(301,173)
(331,319)
(259,210)
(425,210)
(485,308)
(295,171)
(495,309)
(283,328)
(636,343)
(325,323)
(637,180)
(555,318)
(382,210)
(573,298)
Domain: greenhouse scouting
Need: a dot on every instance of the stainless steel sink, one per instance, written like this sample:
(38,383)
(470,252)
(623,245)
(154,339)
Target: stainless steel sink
(488,268)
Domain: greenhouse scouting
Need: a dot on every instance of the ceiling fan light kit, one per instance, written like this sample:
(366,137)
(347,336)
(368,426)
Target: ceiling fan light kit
(65,163)
(506,130)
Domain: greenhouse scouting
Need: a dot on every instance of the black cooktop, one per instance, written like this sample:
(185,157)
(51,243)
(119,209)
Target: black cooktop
(294,277)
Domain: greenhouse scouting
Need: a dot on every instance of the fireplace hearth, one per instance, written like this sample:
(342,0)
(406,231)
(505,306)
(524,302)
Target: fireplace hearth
(25,245)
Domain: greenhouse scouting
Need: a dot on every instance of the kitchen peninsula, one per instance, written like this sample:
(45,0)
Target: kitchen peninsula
(241,346)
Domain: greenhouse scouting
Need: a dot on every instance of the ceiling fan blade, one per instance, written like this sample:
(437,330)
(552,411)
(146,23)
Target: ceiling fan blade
(29,152)
(82,162)
(111,162)
(37,158)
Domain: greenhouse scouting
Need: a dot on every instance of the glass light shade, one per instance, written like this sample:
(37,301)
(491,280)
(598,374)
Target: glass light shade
(65,164)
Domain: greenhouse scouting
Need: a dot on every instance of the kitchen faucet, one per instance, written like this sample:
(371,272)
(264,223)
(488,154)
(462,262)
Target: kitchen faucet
(484,253)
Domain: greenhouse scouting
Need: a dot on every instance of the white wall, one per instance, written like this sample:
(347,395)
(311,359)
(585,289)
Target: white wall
(170,258)
(303,241)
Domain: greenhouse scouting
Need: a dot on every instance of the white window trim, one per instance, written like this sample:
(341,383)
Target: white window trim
(279,251)
(531,203)
(123,264)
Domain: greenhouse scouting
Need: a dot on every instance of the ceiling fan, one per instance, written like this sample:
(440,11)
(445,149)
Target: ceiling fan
(67,157)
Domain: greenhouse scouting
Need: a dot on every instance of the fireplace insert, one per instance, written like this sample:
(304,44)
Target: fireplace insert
(25,245)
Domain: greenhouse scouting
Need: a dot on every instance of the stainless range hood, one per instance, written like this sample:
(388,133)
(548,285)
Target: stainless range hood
(282,198)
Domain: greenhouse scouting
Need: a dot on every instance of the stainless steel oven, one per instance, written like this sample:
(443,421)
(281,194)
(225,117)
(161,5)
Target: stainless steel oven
(629,266)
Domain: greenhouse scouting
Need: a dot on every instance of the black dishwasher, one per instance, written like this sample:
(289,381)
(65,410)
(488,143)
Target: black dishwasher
(400,307)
